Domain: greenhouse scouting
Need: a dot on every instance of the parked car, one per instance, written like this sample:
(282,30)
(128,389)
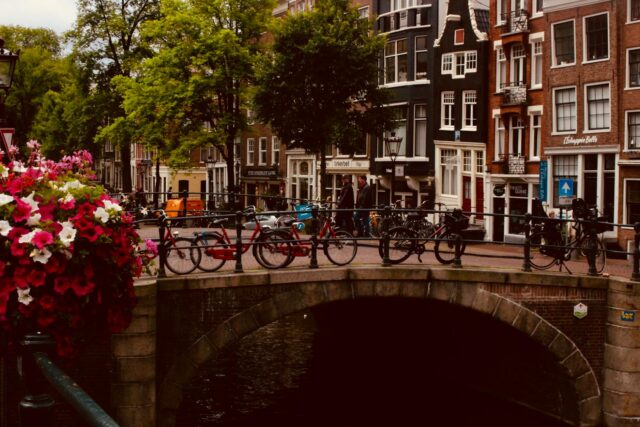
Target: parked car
(266,221)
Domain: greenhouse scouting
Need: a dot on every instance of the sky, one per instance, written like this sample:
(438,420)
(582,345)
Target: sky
(58,15)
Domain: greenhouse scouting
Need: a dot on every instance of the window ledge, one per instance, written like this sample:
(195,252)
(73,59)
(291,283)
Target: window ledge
(595,61)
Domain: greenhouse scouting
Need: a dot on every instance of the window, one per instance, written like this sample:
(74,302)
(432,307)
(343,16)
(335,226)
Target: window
(471,61)
(516,136)
(596,37)
(469,101)
(458,36)
(262,146)
(251,153)
(448,111)
(634,10)
(633,130)
(420,130)
(499,138)
(479,161)
(421,58)
(466,160)
(275,150)
(501,16)
(565,110)
(395,55)
(447,63)
(518,65)
(399,115)
(634,68)
(537,7)
(632,201)
(459,65)
(563,43)
(449,169)
(363,12)
(536,66)
(564,167)
(501,69)
(536,136)
(598,108)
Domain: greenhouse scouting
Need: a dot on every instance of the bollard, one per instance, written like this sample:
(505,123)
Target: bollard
(37,404)
(526,265)
(185,195)
(386,214)
(592,237)
(238,252)
(457,261)
(162,248)
(636,253)
(314,238)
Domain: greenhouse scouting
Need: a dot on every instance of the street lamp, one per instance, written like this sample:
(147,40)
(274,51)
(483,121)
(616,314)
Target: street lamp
(392,144)
(7,68)
(211,164)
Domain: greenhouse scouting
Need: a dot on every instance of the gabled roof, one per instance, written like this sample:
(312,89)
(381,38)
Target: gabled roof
(479,17)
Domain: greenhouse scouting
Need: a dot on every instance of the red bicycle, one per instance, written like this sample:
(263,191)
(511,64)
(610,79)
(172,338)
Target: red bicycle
(216,247)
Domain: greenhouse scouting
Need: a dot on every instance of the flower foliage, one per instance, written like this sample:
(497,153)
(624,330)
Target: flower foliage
(67,253)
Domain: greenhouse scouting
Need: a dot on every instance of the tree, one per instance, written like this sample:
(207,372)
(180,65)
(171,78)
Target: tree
(320,85)
(191,92)
(107,42)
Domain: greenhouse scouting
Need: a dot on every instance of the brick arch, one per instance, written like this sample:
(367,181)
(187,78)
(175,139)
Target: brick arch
(469,295)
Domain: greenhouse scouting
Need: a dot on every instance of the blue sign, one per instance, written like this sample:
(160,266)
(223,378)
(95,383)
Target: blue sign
(565,187)
(542,182)
(628,316)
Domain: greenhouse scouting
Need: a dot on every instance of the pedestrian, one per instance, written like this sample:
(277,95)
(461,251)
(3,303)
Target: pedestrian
(344,219)
(364,200)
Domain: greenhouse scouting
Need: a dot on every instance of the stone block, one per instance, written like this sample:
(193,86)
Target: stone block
(414,289)
(389,288)
(135,368)
(338,290)
(364,288)
(623,336)
(133,394)
(485,302)
(124,345)
(623,300)
(466,294)
(141,324)
(622,358)
(397,272)
(614,317)
(145,287)
(243,323)
(289,302)
(201,351)
(265,312)
(590,412)
(507,310)
(621,382)
(443,291)
(170,396)
(527,321)
(612,420)
(621,404)
(135,416)
(544,333)
(627,286)
(576,364)
(313,294)
(222,336)
(561,347)
(587,386)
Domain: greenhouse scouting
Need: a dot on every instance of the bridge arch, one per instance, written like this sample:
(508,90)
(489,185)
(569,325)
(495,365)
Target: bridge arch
(384,284)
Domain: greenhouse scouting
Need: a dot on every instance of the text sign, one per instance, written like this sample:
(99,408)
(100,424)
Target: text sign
(628,316)
(542,182)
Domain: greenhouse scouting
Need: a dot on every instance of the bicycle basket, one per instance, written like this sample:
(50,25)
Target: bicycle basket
(456,220)
(304,211)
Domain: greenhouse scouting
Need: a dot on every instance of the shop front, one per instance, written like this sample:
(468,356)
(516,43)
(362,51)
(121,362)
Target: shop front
(261,186)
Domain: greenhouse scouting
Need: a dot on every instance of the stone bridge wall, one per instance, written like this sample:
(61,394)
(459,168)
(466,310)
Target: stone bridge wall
(183,323)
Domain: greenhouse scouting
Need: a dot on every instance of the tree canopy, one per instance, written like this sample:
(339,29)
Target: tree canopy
(319,87)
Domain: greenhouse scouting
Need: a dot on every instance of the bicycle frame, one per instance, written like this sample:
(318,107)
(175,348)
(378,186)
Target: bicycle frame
(302,247)
(229,253)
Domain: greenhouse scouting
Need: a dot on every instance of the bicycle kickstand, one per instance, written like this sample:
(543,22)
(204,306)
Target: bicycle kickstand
(562,264)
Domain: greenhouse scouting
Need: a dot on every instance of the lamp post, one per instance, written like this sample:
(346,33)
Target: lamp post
(211,164)
(7,68)
(392,144)
(237,186)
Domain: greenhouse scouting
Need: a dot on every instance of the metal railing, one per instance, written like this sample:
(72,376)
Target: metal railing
(515,22)
(514,93)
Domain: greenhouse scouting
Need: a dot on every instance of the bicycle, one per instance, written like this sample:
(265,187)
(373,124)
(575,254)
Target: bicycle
(339,246)
(376,218)
(180,258)
(405,241)
(269,250)
(548,247)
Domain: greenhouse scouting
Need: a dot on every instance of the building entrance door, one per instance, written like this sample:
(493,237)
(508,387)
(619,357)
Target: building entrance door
(498,221)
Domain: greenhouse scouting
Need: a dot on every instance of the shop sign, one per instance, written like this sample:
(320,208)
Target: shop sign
(570,140)
(518,190)
(347,164)
(498,190)
(261,173)
(542,181)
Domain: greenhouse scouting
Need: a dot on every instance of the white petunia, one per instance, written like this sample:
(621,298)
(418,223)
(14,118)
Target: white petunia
(31,201)
(101,214)
(66,199)
(5,228)
(72,185)
(5,198)
(26,238)
(34,219)
(41,256)
(68,234)
(19,167)
(24,296)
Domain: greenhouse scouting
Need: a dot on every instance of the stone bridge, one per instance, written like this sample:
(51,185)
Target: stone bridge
(592,363)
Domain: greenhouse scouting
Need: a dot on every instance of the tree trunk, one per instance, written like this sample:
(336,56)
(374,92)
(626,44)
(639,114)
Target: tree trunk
(232,189)
(323,173)
(156,190)
(125,159)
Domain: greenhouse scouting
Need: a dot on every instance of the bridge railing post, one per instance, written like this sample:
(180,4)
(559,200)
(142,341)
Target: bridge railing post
(635,275)
(162,248)
(37,403)
(457,261)
(386,215)
(313,263)
(592,246)
(526,264)
(238,252)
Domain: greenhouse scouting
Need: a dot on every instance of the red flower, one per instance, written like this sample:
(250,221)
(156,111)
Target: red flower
(82,287)
(46,302)
(36,277)
(56,264)
(22,211)
(21,277)
(45,318)
(42,239)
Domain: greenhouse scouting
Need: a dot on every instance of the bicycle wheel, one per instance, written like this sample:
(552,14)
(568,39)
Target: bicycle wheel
(272,250)
(601,252)
(401,245)
(537,257)
(445,247)
(340,249)
(182,256)
(206,243)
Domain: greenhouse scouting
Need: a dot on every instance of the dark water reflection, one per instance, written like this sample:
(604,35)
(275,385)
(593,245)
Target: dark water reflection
(311,370)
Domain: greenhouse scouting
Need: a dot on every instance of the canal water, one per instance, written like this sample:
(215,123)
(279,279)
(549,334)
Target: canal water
(378,364)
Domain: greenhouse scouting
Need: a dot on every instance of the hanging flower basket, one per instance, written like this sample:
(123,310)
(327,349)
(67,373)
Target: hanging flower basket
(67,253)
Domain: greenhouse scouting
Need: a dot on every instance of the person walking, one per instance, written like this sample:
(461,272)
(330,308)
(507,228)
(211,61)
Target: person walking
(364,200)
(344,219)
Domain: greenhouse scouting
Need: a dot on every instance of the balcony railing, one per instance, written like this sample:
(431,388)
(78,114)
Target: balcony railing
(514,93)
(513,163)
(516,21)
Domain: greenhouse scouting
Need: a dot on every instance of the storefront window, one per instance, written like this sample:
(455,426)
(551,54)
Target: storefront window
(301,180)
(564,167)
(518,205)
(632,202)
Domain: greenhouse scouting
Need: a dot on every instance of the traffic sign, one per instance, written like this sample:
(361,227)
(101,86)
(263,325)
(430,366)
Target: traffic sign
(565,187)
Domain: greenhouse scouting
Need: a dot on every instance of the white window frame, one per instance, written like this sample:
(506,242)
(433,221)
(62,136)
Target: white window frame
(626,131)
(251,151)
(275,150)
(459,64)
(419,120)
(628,69)
(516,127)
(470,61)
(396,56)
(449,175)
(554,62)
(499,136)
(500,5)
(555,130)
(625,212)
(501,69)
(629,20)
(469,121)
(535,135)
(262,150)
(586,60)
(518,73)
(447,113)
(446,67)
(537,10)
(363,12)
(415,58)
(587,106)
(537,65)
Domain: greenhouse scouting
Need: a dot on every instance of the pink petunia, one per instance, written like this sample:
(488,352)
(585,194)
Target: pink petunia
(22,211)
(37,277)
(42,239)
